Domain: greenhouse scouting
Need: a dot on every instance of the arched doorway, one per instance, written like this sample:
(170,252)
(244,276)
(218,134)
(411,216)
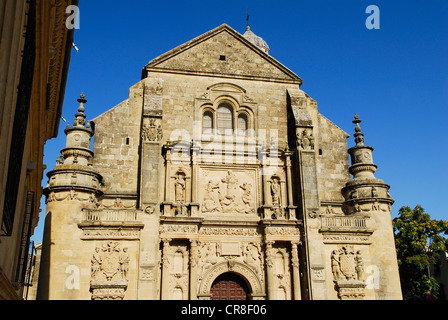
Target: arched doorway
(229,286)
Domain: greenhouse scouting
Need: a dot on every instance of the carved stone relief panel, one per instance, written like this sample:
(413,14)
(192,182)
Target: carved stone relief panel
(178,270)
(279,256)
(228,191)
(249,254)
(305,139)
(152,130)
(109,271)
(347,266)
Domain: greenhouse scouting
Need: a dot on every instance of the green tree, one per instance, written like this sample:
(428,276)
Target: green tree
(419,241)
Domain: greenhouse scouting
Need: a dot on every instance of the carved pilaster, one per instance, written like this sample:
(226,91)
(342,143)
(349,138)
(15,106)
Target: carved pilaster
(296,271)
(165,268)
(270,270)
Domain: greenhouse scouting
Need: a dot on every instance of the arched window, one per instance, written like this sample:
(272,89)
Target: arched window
(207,122)
(242,124)
(225,119)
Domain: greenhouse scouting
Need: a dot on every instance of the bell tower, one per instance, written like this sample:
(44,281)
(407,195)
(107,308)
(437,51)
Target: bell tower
(367,196)
(364,189)
(73,186)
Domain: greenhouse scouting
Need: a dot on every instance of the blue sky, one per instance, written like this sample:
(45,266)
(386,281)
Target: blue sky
(395,78)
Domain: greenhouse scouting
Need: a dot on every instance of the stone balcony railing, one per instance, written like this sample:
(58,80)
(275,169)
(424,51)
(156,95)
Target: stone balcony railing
(348,223)
(100,216)
(107,224)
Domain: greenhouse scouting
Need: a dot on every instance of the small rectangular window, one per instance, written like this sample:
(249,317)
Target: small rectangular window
(222,58)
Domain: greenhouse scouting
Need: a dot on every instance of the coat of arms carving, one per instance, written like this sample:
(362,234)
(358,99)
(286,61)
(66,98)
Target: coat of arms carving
(109,269)
(348,272)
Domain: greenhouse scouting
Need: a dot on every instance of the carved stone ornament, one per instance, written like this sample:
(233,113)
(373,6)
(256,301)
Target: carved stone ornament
(109,269)
(348,272)
(152,131)
(228,195)
(305,140)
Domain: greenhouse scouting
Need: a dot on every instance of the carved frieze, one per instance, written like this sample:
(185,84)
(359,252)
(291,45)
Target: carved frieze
(178,228)
(116,203)
(110,233)
(228,231)
(345,229)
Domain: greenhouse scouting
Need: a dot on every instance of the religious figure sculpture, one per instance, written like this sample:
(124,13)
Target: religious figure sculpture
(180,188)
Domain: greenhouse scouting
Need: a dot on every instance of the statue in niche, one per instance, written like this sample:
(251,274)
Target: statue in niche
(278,212)
(179,187)
(275,191)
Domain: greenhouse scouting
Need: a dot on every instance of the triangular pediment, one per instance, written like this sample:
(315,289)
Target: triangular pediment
(223,52)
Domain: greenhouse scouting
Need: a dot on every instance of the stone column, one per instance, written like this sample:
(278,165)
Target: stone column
(291,207)
(194,205)
(193,269)
(270,270)
(295,271)
(167,175)
(165,269)
(168,202)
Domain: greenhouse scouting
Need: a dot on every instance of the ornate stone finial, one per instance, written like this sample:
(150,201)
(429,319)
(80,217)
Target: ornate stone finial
(80,117)
(82,98)
(359,136)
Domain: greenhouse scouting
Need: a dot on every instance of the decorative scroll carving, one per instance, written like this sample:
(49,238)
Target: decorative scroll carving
(117,203)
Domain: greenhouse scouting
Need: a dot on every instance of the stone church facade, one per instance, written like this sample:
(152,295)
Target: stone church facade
(216,179)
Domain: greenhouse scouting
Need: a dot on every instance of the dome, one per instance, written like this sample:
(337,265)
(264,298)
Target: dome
(256,40)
